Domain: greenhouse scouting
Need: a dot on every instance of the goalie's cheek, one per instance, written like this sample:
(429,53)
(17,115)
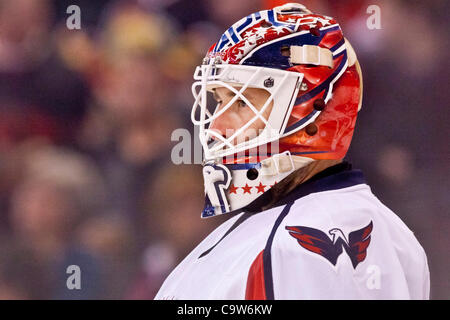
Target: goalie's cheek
(227,124)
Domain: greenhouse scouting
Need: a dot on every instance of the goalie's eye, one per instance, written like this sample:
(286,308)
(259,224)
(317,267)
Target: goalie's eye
(241,103)
(216,97)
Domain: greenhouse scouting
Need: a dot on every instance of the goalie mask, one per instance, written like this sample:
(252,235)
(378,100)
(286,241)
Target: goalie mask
(310,87)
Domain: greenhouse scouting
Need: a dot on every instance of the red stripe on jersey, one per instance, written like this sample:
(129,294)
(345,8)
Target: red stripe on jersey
(255,281)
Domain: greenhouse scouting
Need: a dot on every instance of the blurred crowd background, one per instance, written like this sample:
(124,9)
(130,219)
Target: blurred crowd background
(86,117)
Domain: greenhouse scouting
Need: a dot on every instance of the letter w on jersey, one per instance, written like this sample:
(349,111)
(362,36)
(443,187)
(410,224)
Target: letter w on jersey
(319,242)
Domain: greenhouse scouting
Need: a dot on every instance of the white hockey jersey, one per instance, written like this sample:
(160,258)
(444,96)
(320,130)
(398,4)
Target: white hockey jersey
(331,238)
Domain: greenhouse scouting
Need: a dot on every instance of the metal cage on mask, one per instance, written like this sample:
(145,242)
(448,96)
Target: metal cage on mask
(282,86)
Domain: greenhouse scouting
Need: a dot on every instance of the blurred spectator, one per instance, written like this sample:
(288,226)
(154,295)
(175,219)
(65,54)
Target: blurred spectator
(129,125)
(38,94)
(57,189)
(174,201)
(186,12)
(131,92)
(173,204)
(21,275)
(109,238)
(226,13)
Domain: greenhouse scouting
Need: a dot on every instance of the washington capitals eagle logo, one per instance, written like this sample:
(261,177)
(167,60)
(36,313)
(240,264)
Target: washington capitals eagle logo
(319,242)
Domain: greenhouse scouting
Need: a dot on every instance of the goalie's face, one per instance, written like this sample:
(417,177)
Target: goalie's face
(239,108)
(239,113)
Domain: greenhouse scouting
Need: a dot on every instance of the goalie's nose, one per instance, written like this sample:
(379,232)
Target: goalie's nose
(222,126)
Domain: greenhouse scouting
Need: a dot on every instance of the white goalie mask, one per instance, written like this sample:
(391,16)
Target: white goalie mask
(282,86)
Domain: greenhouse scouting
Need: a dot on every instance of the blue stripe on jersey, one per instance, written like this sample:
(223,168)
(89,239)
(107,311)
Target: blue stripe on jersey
(267,256)
(343,178)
